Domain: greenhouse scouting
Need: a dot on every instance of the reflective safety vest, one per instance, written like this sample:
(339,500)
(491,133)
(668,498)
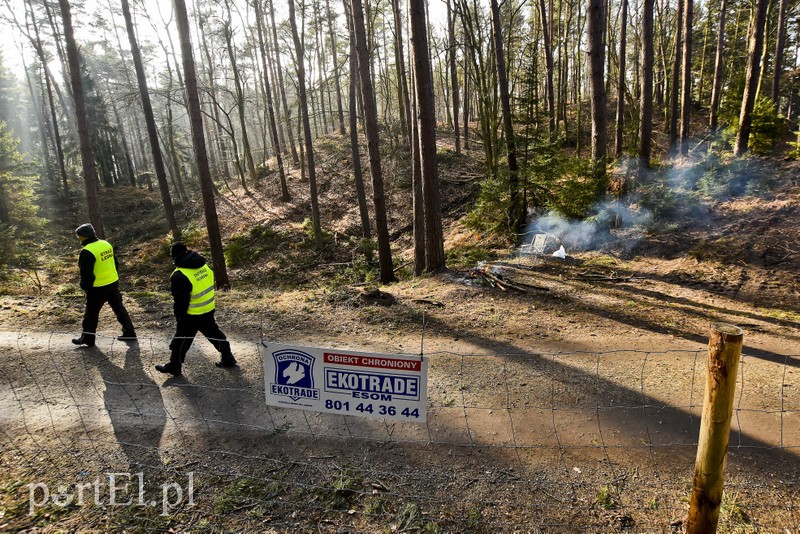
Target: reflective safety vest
(202,299)
(105,269)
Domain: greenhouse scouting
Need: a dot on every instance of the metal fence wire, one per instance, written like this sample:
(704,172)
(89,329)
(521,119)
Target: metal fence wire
(96,439)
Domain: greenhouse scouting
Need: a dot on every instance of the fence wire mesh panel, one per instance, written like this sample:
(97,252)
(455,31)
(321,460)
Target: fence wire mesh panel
(515,442)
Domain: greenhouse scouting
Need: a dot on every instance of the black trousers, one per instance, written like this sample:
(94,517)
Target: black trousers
(95,298)
(187,328)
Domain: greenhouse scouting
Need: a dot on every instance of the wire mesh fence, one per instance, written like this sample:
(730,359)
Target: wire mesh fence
(95,438)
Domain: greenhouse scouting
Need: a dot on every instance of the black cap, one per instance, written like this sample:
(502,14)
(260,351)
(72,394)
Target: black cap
(178,249)
(85,230)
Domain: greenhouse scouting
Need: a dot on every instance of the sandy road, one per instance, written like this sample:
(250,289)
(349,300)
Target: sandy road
(563,420)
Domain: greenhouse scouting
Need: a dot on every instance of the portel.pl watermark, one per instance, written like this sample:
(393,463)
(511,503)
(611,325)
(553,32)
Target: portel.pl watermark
(111,489)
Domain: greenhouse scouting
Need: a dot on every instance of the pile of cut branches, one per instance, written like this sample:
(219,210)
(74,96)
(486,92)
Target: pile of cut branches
(485,277)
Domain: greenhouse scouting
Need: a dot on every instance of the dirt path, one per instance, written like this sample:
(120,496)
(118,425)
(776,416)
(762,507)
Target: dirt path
(515,440)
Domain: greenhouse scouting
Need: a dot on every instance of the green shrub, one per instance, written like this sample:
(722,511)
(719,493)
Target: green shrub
(20,226)
(245,249)
(795,152)
(490,212)
(308,230)
(238,252)
(765,127)
(733,178)
(193,236)
(466,256)
(8,243)
(445,156)
(368,247)
(568,185)
(550,180)
(263,171)
(575,195)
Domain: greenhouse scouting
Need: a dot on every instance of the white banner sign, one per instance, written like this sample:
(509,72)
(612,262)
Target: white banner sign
(383,386)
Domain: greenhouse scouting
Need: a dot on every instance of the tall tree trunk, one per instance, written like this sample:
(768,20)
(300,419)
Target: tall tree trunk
(426,124)
(68,105)
(563,78)
(237,85)
(129,170)
(276,95)
(199,142)
(281,87)
(451,31)
(516,213)
(443,86)
(751,77)
(175,170)
(701,87)
(87,155)
(273,126)
(485,78)
(418,202)
(735,45)
(779,45)
(713,115)
(595,23)
(402,82)
(322,76)
(372,133)
(466,89)
(335,54)
(5,214)
(261,103)
(548,58)
(37,105)
(312,172)
(212,90)
(661,81)
(646,93)
(623,33)
(764,50)
(579,89)
(149,119)
(37,45)
(686,75)
(355,151)
(674,103)
(794,89)
(137,130)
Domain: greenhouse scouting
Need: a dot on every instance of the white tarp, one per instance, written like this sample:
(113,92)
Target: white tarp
(382,386)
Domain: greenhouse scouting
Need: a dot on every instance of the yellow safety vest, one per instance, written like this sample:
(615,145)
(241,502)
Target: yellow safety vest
(105,269)
(202,299)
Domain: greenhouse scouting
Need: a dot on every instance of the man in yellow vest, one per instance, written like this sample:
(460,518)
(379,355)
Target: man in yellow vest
(100,281)
(192,286)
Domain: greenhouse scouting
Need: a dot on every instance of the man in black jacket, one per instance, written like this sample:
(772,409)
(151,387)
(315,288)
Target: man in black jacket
(192,286)
(100,281)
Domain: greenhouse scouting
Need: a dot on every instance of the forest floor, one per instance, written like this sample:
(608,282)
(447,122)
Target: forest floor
(599,352)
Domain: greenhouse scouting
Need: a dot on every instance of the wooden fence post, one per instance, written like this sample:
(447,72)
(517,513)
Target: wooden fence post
(724,351)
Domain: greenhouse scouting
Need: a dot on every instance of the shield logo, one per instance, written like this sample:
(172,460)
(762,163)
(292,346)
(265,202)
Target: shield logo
(294,368)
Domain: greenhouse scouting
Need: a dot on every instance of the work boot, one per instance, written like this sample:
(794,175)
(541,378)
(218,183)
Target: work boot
(169,368)
(227,361)
(83,340)
(127,336)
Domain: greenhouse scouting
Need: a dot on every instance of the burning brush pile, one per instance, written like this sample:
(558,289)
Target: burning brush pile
(494,276)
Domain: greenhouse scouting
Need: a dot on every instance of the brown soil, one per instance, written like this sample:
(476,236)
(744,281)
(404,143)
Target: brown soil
(570,406)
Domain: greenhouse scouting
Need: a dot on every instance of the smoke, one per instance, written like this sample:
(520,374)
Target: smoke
(711,176)
(677,195)
(609,222)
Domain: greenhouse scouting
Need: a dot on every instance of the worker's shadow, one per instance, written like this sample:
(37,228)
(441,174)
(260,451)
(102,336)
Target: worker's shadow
(136,409)
(210,405)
